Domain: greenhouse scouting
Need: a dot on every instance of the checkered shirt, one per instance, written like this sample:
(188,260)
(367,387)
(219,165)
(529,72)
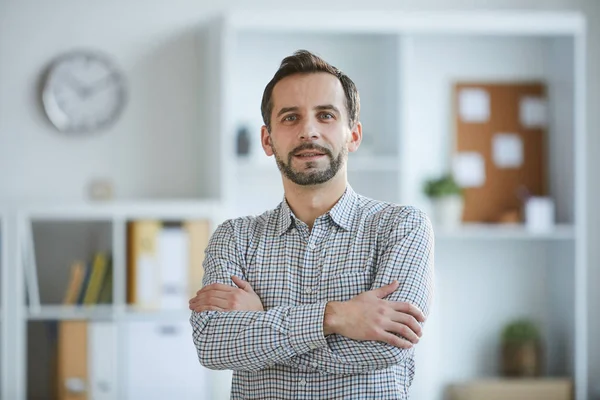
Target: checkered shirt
(281,353)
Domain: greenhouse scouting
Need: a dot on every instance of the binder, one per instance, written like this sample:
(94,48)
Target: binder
(143,271)
(199,234)
(72,367)
(102,367)
(173,258)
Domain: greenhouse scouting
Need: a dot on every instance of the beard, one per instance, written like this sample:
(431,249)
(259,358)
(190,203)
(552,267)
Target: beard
(313,176)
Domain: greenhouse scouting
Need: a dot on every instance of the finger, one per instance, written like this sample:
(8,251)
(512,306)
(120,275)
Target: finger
(403,330)
(395,341)
(409,321)
(225,302)
(386,290)
(217,302)
(217,295)
(207,308)
(242,284)
(408,308)
(218,287)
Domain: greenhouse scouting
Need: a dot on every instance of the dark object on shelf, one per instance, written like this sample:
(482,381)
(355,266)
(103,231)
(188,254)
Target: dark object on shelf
(521,350)
(243,141)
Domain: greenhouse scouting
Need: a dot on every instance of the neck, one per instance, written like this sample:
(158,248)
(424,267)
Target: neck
(310,202)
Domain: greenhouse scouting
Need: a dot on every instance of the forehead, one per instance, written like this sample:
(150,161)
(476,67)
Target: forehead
(308,90)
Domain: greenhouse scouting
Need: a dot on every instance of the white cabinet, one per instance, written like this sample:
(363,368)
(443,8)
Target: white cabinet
(160,362)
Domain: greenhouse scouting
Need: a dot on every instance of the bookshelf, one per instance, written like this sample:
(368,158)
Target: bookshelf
(60,233)
(404,65)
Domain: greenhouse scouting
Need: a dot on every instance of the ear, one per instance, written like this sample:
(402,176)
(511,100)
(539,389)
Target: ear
(265,140)
(355,138)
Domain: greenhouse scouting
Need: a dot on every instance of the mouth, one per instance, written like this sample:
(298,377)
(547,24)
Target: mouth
(309,155)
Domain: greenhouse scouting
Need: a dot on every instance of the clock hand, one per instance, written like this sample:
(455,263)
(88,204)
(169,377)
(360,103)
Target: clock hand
(100,84)
(75,85)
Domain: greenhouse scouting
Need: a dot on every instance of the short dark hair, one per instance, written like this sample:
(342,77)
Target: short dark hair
(305,62)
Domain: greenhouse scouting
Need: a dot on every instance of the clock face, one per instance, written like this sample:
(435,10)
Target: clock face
(83,92)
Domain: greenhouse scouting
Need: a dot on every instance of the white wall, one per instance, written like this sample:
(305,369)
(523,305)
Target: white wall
(151,40)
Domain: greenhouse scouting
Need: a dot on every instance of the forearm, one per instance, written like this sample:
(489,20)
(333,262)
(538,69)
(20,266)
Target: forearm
(254,340)
(343,355)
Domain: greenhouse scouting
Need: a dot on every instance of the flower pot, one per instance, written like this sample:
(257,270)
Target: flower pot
(447,211)
(521,359)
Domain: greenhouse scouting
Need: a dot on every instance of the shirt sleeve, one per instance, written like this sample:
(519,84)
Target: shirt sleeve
(250,340)
(408,258)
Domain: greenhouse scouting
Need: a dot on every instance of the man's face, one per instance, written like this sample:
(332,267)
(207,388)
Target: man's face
(310,134)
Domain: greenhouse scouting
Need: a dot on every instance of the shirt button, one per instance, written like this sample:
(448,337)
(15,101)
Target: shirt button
(314,365)
(308,291)
(303,381)
(312,346)
(311,246)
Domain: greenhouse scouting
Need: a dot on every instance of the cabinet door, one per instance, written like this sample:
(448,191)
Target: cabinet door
(161,362)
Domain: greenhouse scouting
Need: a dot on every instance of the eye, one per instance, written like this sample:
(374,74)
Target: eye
(290,118)
(326,115)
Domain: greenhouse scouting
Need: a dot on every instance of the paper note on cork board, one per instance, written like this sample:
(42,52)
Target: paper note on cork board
(507,150)
(511,142)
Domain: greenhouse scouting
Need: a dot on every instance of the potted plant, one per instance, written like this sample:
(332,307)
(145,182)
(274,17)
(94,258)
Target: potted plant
(447,198)
(521,349)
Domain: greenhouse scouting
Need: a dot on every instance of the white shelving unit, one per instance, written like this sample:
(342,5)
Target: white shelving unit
(78,229)
(3,296)
(404,65)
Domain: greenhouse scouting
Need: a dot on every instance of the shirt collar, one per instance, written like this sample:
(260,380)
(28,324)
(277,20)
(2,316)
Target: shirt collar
(342,213)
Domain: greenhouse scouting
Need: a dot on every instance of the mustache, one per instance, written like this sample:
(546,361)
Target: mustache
(311,146)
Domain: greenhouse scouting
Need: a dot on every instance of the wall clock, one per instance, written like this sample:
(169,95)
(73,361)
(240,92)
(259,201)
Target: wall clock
(83,92)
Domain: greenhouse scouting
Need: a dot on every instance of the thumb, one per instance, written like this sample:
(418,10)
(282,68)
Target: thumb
(385,290)
(242,284)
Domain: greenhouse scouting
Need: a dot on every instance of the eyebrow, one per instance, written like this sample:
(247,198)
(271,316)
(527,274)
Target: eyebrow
(319,108)
(286,109)
(329,107)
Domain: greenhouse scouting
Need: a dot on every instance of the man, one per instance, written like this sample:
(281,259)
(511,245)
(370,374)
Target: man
(324,296)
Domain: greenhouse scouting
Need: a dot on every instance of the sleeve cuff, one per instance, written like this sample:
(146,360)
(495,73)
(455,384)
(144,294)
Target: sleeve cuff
(306,327)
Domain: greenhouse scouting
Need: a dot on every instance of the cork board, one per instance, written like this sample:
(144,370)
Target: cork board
(500,146)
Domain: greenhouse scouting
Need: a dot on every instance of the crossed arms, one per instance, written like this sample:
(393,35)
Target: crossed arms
(232,331)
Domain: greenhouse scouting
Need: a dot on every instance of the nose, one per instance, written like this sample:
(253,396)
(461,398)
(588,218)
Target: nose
(308,131)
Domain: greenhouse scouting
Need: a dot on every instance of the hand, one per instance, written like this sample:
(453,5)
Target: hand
(219,297)
(369,317)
